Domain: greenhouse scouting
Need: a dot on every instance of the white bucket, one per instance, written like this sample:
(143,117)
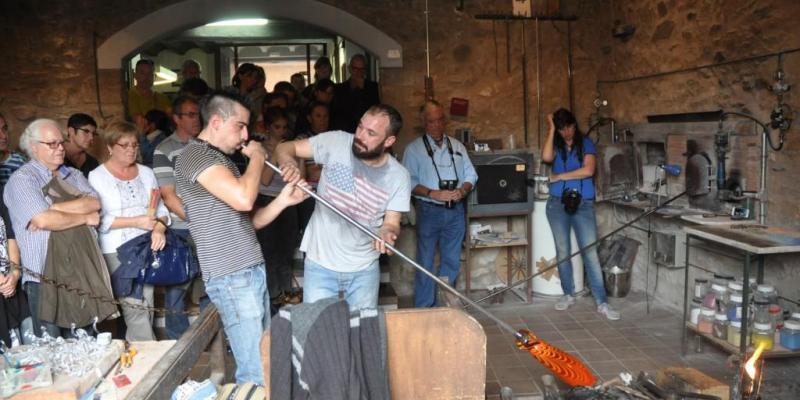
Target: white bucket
(544,254)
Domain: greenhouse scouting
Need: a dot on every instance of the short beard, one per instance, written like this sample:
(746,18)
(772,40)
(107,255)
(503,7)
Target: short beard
(373,154)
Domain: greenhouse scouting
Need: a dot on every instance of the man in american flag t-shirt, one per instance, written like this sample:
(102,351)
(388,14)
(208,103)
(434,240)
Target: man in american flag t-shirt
(364,181)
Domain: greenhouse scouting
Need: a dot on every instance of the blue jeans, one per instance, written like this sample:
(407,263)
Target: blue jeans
(443,227)
(243,303)
(176,322)
(585,226)
(32,291)
(360,288)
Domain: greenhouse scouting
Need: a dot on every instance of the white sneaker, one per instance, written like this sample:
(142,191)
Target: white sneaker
(608,312)
(564,302)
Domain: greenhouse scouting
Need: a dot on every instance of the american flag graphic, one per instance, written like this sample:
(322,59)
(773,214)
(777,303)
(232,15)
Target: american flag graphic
(355,196)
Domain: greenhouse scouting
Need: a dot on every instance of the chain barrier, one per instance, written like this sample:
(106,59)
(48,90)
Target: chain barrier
(102,299)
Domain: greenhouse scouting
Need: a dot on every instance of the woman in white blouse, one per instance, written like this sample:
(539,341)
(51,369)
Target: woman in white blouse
(125,188)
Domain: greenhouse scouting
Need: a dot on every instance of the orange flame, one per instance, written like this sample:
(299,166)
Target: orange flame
(750,365)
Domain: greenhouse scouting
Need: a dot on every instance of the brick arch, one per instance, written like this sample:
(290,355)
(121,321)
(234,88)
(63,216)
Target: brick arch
(191,13)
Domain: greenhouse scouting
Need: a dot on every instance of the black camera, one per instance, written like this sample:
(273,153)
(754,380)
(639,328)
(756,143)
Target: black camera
(448,184)
(571,200)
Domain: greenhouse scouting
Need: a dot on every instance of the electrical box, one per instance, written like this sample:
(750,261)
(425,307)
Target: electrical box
(669,248)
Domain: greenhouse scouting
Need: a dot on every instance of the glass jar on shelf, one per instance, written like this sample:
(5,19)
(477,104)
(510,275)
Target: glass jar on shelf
(694,313)
(776,312)
(761,312)
(795,316)
(763,334)
(735,306)
(700,288)
(735,287)
(766,293)
(705,323)
(735,332)
(790,335)
(720,328)
(720,292)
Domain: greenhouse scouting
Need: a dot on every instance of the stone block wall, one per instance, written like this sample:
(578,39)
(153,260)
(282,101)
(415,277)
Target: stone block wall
(704,56)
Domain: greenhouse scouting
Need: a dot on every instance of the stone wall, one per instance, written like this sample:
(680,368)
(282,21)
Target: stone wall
(703,56)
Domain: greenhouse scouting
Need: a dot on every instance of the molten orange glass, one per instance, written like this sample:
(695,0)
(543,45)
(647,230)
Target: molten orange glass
(566,367)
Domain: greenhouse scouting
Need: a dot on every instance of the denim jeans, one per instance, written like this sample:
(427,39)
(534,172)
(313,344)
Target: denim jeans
(585,226)
(243,303)
(176,322)
(443,227)
(360,288)
(32,291)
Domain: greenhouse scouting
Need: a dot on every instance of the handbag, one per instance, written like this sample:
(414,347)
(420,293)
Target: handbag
(175,264)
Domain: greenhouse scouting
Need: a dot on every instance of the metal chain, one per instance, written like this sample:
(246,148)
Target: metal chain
(92,296)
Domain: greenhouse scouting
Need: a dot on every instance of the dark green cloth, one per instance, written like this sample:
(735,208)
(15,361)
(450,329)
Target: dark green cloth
(73,258)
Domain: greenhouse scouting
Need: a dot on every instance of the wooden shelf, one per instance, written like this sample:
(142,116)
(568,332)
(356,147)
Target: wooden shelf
(777,351)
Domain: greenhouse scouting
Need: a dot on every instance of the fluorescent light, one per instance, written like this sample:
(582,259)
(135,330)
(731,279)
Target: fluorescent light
(240,22)
(166,74)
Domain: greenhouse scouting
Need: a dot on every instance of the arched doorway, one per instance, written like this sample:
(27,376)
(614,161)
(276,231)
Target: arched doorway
(191,13)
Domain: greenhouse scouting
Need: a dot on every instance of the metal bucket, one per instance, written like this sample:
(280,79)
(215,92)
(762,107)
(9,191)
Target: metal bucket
(618,281)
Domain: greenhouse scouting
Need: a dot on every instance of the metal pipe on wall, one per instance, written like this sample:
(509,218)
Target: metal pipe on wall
(538,87)
(762,182)
(525,114)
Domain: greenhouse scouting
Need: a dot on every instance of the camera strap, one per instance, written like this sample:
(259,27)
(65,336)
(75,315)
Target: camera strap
(429,150)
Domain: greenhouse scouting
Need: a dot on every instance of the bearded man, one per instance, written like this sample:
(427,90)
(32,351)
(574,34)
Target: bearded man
(364,181)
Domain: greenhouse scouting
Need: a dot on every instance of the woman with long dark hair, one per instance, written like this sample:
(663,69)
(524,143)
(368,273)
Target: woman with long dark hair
(571,205)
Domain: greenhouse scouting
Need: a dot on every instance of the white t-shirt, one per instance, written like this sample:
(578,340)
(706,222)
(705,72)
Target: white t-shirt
(361,191)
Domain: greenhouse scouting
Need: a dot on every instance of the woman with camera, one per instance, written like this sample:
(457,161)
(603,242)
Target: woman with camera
(571,205)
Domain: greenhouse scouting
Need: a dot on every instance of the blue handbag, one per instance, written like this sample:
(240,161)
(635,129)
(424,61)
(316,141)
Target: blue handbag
(175,264)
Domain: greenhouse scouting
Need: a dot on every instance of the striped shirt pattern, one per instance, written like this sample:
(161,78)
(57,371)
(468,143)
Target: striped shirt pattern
(11,164)
(25,199)
(164,167)
(225,238)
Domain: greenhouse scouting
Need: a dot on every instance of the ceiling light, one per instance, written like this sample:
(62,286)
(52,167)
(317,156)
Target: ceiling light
(240,22)
(166,74)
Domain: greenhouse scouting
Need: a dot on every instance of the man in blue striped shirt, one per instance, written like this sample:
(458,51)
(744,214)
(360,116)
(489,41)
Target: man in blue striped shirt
(33,215)
(10,161)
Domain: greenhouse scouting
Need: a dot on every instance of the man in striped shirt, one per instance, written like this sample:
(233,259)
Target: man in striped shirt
(10,161)
(364,181)
(218,200)
(34,216)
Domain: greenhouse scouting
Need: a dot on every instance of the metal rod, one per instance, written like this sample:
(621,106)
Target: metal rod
(538,88)
(595,243)
(762,180)
(427,44)
(525,114)
(413,263)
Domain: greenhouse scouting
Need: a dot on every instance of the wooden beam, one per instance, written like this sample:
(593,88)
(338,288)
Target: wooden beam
(176,364)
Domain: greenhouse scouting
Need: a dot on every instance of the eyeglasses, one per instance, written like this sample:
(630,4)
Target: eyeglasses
(189,114)
(53,145)
(89,131)
(127,146)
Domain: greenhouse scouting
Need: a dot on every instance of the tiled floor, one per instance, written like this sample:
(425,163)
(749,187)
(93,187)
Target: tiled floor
(640,341)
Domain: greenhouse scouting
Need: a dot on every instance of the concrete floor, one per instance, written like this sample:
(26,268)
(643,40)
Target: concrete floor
(640,341)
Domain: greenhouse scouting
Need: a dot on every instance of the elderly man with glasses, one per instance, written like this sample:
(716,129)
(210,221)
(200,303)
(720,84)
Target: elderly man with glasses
(81,130)
(35,215)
